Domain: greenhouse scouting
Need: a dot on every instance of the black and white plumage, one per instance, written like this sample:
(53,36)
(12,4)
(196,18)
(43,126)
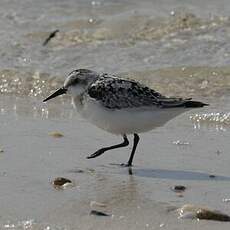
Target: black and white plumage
(116,93)
(121,106)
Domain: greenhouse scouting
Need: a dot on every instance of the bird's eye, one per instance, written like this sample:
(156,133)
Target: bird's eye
(75,72)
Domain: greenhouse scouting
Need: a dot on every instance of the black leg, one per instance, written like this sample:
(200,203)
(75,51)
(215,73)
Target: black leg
(135,142)
(101,151)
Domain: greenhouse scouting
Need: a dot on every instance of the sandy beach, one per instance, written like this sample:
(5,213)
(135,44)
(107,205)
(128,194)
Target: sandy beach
(179,49)
(144,200)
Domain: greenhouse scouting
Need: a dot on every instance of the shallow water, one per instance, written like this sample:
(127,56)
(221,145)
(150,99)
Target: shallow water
(113,36)
(179,49)
(158,43)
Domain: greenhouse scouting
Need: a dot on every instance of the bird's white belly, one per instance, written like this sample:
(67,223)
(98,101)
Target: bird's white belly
(126,121)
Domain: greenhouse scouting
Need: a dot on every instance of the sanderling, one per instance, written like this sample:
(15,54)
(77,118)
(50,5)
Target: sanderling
(120,106)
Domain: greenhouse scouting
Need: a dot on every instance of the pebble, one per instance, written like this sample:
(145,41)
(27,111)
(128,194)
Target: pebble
(206,214)
(212,176)
(61,183)
(98,213)
(190,211)
(179,188)
(56,134)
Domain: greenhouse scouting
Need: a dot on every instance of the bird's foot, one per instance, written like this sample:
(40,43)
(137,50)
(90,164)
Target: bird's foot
(122,164)
(126,165)
(96,154)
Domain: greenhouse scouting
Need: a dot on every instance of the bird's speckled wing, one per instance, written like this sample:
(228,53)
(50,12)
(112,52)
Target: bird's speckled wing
(116,93)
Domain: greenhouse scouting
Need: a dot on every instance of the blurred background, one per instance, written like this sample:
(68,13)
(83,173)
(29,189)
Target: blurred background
(182,44)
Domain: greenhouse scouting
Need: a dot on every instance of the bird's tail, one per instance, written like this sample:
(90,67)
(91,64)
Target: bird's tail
(194,104)
(179,102)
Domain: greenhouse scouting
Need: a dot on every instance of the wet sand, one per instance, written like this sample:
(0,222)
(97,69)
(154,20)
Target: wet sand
(143,200)
(179,49)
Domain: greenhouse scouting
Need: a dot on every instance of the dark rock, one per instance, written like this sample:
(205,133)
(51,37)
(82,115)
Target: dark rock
(201,213)
(179,188)
(212,176)
(61,182)
(211,215)
(98,213)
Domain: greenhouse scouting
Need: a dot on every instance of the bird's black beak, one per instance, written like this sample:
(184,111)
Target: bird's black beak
(56,93)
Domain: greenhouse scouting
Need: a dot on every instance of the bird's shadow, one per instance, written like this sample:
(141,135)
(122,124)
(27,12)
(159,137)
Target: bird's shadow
(175,174)
(168,174)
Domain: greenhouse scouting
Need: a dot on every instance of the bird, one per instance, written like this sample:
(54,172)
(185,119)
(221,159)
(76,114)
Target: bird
(120,106)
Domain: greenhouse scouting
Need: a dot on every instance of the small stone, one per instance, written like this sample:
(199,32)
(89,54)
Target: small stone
(56,134)
(89,170)
(98,213)
(1,150)
(196,212)
(206,214)
(179,188)
(212,176)
(61,183)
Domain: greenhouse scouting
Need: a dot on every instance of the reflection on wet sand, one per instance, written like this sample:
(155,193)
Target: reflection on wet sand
(196,82)
(177,175)
(117,192)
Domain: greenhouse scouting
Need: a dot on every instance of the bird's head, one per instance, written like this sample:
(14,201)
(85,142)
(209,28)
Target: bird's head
(76,83)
